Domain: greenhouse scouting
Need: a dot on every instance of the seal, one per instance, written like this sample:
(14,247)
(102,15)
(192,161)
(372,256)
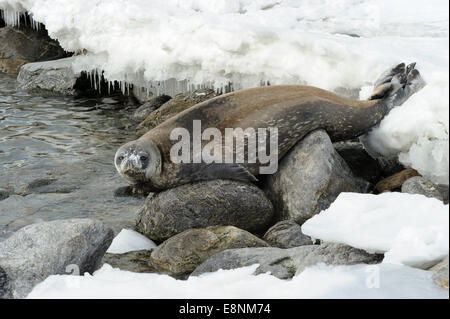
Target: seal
(293,109)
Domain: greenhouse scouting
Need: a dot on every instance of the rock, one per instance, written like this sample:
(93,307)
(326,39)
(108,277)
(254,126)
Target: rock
(48,78)
(4,194)
(309,179)
(135,261)
(440,273)
(21,46)
(176,105)
(421,185)
(360,162)
(145,109)
(395,181)
(39,250)
(141,94)
(203,204)
(182,253)
(287,234)
(285,263)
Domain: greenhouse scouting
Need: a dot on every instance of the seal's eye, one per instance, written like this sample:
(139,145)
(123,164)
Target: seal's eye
(120,158)
(143,158)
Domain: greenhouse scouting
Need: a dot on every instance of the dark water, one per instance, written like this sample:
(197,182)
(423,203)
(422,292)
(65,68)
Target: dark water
(56,159)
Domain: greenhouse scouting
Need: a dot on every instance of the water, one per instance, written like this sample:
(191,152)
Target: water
(56,159)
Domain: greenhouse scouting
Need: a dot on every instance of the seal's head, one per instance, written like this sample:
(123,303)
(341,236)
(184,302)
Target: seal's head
(138,162)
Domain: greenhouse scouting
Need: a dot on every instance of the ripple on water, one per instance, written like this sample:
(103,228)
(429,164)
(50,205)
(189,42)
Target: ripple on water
(70,141)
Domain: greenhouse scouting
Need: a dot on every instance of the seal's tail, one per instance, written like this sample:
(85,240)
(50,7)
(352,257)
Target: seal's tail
(398,84)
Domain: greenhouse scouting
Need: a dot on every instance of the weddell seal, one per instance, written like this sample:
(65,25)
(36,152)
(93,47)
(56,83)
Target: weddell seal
(271,119)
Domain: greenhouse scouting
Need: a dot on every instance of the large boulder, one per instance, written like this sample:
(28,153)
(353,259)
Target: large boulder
(50,77)
(179,103)
(203,204)
(423,186)
(440,273)
(285,263)
(309,179)
(24,45)
(182,253)
(287,234)
(39,250)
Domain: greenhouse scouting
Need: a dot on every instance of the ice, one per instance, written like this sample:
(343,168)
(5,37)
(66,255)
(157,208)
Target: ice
(410,229)
(129,240)
(320,281)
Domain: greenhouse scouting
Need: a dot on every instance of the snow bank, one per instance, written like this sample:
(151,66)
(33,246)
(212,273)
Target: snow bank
(321,281)
(411,229)
(249,42)
(129,240)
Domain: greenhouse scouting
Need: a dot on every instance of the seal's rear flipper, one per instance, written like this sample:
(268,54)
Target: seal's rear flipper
(397,84)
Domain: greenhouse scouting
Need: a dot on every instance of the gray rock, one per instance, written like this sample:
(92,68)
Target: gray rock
(440,273)
(145,109)
(4,194)
(49,78)
(135,261)
(203,204)
(182,253)
(285,263)
(421,185)
(19,46)
(360,162)
(287,234)
(309,179)
(39,250)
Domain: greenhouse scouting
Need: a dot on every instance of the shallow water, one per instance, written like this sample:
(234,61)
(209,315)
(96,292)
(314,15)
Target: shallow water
(56,159)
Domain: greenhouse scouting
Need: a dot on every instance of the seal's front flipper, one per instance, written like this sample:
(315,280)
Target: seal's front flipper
(204,172)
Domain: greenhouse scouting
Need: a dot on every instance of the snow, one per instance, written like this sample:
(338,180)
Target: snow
(320,281)
(129,240)
(170,46)
(410,229)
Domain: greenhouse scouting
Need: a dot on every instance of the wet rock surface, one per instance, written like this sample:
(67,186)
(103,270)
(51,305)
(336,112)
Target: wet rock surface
(203,204)
(287,234)
(19,46)
(135,261)
(309,179)
(37,251)
(182,253)
(285,263)
(423,186)
(174,106)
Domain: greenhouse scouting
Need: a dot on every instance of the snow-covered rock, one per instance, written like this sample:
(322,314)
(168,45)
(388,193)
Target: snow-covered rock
(410,229)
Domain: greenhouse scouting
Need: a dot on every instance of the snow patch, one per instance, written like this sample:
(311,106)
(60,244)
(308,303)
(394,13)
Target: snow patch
(320,281)
(410,229)
(129,240)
